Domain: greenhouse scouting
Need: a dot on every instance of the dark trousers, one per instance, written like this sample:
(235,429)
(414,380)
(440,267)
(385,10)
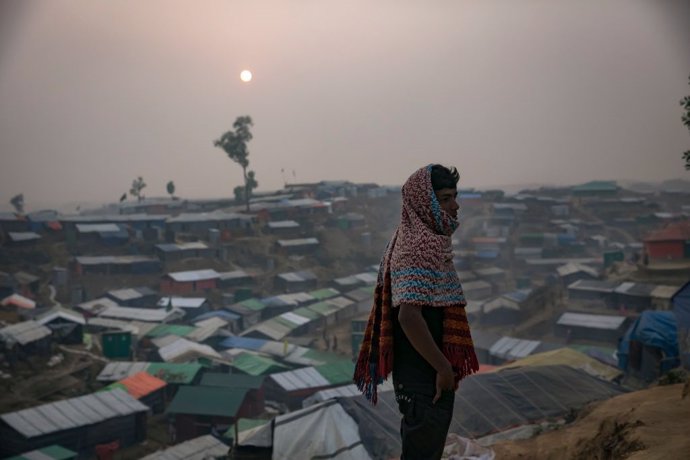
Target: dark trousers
(424,425)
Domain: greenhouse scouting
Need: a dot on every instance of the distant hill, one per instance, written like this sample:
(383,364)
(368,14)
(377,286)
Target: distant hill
(672,185)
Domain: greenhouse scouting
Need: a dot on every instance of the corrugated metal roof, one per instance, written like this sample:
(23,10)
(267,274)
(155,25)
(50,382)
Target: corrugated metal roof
(18,237)
(321,294)
(245,343)
(367,278)
(207,401)
(340,302)
(60,312)
(298,242)
(510,348)
(203,217)
(218,379)
(24,332)
(73,413)
(324,308)
(235,274)
(155,315)
(178,373)
(201,448)
(296,277)
(121,260)
(347,281)
(190,246)
(610,322)
(305,312)
(163,330)
(594,286)
(131,293)
(98,228)
(119,370)
(283,224)
(337,372)
(142,384)
(54,452)
(636,289)
(116,324)
(194,275)
(181,348)
(253,364)
(182,302)
(271,329)
(361,293)
(97,305)
(295,318)
(570,268)
(252,304)
(207,328)
(223,314)
(300,379)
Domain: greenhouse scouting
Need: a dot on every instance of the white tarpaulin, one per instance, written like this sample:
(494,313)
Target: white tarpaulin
(309,433)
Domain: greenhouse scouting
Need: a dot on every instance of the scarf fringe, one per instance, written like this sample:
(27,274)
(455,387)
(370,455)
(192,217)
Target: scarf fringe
(463,359)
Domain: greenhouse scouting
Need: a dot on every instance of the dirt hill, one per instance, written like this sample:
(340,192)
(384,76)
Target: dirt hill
(648,424)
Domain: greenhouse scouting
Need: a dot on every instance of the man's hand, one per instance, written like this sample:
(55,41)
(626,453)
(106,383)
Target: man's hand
(445,380)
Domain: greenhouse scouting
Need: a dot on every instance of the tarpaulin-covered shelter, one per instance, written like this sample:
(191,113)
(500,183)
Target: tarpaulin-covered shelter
(78,423)
(189,282)
(568,357)
(201,448)
(254,401)
(302,280)
(591,327)
(681,308)
(256,365)
(351,428)
(198,408)
(66,325)
(25,338)
(146,388)
(141,297)
(650,346)
(54,452)
(291,387)
(173,374)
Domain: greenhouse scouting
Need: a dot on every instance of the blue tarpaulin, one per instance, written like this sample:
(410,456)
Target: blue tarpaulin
(656,329)
(245,343)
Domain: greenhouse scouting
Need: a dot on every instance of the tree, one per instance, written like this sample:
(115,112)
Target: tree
(234,143)
(17,202)
(240,190)
(170,187)
(138,185)
(685,103)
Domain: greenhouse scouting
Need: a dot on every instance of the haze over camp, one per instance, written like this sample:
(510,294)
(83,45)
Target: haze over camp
(224,226)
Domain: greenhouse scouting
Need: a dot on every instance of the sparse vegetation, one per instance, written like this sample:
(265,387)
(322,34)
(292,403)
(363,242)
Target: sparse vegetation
(138,185)
(234,143)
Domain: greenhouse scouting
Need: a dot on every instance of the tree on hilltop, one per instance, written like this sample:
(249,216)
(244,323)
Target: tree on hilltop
(234,143)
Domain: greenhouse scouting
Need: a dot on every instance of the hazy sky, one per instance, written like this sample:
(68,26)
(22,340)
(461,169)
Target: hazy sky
(95,93)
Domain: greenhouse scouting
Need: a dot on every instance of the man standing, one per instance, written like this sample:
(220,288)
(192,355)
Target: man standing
(417,327)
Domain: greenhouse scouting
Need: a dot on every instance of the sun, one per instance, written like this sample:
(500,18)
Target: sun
(246,76)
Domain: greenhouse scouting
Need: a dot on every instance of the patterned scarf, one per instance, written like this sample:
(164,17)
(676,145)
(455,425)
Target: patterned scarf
(417,269)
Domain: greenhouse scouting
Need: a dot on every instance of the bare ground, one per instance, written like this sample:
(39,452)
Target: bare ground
(648,424)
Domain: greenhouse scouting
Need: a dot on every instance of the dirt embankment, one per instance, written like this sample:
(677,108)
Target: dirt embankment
(647,424)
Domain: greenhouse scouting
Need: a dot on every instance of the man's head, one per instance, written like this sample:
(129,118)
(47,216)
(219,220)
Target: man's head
(445,182)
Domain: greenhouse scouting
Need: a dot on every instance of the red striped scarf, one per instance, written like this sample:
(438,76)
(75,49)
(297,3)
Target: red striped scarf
(417,269)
